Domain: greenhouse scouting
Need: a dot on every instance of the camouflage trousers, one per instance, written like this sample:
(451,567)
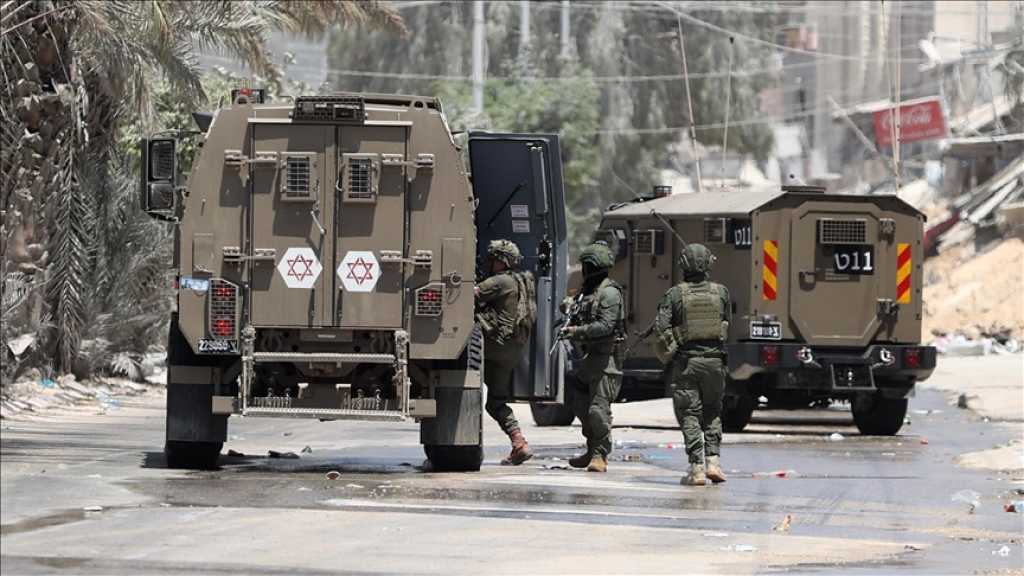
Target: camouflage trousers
(498,378)
(591,402)
(698,386)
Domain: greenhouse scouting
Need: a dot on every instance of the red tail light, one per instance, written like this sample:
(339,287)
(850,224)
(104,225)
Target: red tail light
(912,357)
(428,300)
(223,304)
(769,355)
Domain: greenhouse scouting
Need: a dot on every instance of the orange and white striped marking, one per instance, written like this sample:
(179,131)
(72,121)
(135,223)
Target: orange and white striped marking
(769,274)
(904,263)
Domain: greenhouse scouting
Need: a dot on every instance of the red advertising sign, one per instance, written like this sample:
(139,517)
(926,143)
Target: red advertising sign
(919,120)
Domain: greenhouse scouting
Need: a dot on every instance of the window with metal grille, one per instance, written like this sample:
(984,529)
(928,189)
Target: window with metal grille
(714,230)
(161,159)
(223,302)
(429,299)
(649,242)
(361,177)
(298,177)
(835,231)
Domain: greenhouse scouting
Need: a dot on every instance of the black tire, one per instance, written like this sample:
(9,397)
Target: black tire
(736,413)
(879,416)
(192,455)
(547,414)
(454,458)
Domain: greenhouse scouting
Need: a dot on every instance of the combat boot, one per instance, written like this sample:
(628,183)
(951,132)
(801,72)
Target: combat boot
(581,461)
(598,464)
(714,472)
(696,477)
(520,450)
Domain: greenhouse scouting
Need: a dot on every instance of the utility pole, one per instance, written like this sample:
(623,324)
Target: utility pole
(524,27)
(478,56)
(565,29)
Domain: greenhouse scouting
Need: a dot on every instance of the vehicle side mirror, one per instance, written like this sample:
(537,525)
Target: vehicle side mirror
(159,172)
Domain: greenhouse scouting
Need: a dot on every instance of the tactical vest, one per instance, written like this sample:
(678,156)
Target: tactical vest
(588,313)
(498,318)
(703,314)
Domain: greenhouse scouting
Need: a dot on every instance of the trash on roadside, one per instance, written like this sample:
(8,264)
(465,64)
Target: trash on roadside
(284,455)
(1015,506)
(632,457)
(92,509)
(1004,551)
(961,401)
(775,473)
(889,454)
(95,476)
(739,548)
(304,489)
(911,548)
(286,434)
(715,535)
(969,497)
(333,475)
(924,440)
(47,383)
(307,450)
(235,454)
(784,525)
(836,436)
(555,467)
(356,486)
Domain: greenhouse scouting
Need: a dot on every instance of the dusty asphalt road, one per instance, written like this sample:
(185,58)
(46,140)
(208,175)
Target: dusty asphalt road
(860,505)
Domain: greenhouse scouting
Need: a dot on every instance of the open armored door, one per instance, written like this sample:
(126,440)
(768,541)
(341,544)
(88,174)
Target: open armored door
(517,182)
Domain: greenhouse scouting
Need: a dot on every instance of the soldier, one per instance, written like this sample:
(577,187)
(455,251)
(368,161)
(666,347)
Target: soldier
(691,326)
(498,300)
(595,328)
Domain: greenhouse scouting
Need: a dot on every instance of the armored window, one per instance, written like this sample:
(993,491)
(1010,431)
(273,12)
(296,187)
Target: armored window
(649,242)
(360,177)
(714,230)
(836,231)
(299,181)
(616,240)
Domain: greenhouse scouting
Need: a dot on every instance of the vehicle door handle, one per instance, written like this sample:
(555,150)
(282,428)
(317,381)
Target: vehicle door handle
(808,276)
(316,220)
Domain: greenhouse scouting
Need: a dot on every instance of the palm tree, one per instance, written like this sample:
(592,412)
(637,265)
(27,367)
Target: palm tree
(74,75)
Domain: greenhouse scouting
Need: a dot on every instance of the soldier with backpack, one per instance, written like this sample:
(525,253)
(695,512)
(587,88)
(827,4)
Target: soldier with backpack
(506,310)
(691,326)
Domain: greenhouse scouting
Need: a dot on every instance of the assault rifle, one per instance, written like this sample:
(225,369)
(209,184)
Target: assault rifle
(568,319)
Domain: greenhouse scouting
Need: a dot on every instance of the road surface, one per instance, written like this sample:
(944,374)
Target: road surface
(859,504)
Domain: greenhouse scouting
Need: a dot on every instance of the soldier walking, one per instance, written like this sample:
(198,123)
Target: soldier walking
(691,325)
(596,329)
(500,301)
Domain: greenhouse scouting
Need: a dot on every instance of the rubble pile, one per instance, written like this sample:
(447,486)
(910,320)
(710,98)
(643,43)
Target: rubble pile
(976,293)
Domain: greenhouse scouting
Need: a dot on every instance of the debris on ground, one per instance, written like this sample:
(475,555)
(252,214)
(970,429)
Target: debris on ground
(92,509)
(307,450)
(739,548)
(333,475)
(34,393)
(961,401)
(715,535)
(555,467)
(775,474)
(284,455)
(1017,506)
(357,486)
(969,497)
(784,525)
(1004,551)
(235,454)
(836,436)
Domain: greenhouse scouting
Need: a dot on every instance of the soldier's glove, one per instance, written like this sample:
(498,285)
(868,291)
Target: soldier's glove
(567,333)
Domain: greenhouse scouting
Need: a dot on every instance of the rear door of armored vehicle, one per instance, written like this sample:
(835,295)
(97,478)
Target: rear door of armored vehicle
(329,206)
(517,182)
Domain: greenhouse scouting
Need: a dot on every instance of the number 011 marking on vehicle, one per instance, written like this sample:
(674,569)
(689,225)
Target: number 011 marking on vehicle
(855,259)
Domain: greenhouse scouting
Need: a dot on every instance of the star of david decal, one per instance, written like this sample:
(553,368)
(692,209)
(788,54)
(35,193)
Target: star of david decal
(299,267)
(359,271)
(360,277)
(305,271)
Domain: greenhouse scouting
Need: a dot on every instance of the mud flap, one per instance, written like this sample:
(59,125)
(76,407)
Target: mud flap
(190,416)
(459,419)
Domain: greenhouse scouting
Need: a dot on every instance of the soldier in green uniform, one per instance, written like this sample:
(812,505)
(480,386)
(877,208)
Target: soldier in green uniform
(596,329)
(498,305)
(691,326)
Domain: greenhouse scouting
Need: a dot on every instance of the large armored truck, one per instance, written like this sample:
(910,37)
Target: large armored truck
(825,288)
(325,258)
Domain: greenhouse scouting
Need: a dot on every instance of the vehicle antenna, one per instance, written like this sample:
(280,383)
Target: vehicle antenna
(689,103)
(654,212)
(728,104)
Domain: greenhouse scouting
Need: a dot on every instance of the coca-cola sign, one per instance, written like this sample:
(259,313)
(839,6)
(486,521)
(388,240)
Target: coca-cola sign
(920,120)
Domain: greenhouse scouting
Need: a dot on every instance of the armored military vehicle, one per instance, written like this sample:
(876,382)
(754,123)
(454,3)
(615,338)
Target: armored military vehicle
(825,288)
(325,257)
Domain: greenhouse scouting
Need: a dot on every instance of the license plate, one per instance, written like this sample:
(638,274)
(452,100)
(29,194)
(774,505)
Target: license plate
(211,346)
(766,330)
(854,259)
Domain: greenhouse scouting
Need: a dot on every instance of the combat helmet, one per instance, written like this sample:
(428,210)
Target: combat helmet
(506,251)
(598,255)
(696,260)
